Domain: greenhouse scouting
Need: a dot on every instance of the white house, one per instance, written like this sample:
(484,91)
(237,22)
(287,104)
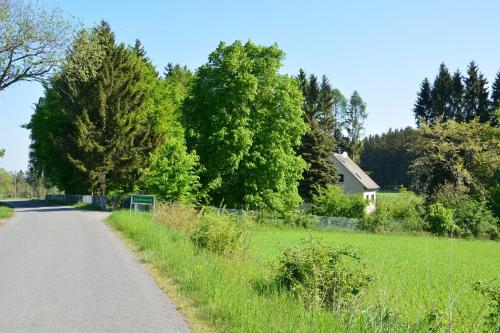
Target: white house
(354,180)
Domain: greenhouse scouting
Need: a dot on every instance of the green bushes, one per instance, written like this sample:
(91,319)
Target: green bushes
(322,276)
(219,233)
(474,219)
(331,201)
(440,219)
(492,293)
(395,212)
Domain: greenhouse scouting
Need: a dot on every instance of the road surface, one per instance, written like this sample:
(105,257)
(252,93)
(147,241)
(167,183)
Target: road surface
(63,270)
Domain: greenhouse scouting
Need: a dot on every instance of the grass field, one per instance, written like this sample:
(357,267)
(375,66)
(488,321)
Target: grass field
(416,277)
(5,212)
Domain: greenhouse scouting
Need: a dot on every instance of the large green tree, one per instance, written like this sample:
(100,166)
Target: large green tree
(476,95)
(172,171)
(244,119)
(423,105)
(318,143)
(463,155)
(441,95)
(97,116)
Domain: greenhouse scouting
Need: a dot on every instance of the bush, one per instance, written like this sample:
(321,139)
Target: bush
(322,276)
(492,292)
(398,212)
(474,219)
(219,233)
(176,216)
(440,219)
(331,201)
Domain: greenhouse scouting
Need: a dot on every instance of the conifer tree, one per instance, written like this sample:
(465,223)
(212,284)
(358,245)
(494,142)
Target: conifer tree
(476,102)
(495,98)
(441,96)
(457,97)
(318,143)
(423,106)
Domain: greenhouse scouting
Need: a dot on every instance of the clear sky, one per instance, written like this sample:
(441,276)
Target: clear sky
(383,49)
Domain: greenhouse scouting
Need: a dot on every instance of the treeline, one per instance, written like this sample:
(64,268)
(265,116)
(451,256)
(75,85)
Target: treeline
(235,132)
(457,97)
(22,184)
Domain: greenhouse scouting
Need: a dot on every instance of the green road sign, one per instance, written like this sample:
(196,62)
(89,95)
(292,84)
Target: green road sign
(139,199)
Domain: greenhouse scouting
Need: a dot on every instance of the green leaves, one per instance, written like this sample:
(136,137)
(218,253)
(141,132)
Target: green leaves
(244,119)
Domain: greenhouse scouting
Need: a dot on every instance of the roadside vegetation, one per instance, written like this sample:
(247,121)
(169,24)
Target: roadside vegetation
(5,212)
(244,274)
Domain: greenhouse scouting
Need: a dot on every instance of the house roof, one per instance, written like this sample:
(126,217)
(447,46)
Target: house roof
(356,171)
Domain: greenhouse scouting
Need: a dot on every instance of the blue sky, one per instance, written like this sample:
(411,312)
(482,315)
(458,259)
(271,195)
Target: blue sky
(383,49)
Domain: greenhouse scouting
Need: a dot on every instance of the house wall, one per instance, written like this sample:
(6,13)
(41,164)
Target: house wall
(351,184)
(367,195)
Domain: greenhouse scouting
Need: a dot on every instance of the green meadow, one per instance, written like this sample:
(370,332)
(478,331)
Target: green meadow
(420,282)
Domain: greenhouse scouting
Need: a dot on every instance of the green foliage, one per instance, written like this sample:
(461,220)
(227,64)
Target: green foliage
(331,201)
(386,158)
(395,212)
(440,220)
(104,112)
(219,233)
(318,143)
(455,97)
(2,152)
(321,275)
(354,123)
(491,290)
(172,171)
(460,154)
(5,212)
(475,219)
(244,120)
(33,40)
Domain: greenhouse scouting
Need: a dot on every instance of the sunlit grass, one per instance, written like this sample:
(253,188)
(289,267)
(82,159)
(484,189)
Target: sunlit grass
(414,275)
(5,212)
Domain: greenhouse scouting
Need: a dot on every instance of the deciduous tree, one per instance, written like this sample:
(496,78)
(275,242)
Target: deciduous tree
(32,41)
(244,120)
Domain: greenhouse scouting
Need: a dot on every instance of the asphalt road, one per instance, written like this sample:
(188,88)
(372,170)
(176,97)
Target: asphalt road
(64,270)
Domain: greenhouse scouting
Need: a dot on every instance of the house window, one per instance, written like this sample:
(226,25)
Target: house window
(373,197)
(341,178)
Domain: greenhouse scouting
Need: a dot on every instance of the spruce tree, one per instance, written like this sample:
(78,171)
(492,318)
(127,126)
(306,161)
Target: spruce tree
(441,96)
(423,107)
(318,144)
(476,102)
(457,97)
(495,98)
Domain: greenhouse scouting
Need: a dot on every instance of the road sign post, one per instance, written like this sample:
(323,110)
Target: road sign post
(141,199)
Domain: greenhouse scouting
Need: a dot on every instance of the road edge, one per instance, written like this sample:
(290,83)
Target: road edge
(4,221)
(182,303)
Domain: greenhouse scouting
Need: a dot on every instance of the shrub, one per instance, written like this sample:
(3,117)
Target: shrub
(176,216)
(331,201)
(301,218)
(474,219)
(440,219)
(322,276)
(396,212)
(492,292)
(219,233)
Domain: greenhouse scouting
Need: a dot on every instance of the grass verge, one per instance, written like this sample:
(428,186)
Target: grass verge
(5,212)
(422,283)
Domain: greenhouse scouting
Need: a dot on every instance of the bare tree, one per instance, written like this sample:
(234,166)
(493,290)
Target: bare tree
(32,41)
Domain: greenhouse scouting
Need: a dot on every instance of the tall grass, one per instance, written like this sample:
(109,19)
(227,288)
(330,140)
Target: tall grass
(421,282)
(5,212)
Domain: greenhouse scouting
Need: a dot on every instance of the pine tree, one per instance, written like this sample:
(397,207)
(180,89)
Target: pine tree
(441,96)
(476,95)
(495,98)
(423,107)
(457,97)
(318,144)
